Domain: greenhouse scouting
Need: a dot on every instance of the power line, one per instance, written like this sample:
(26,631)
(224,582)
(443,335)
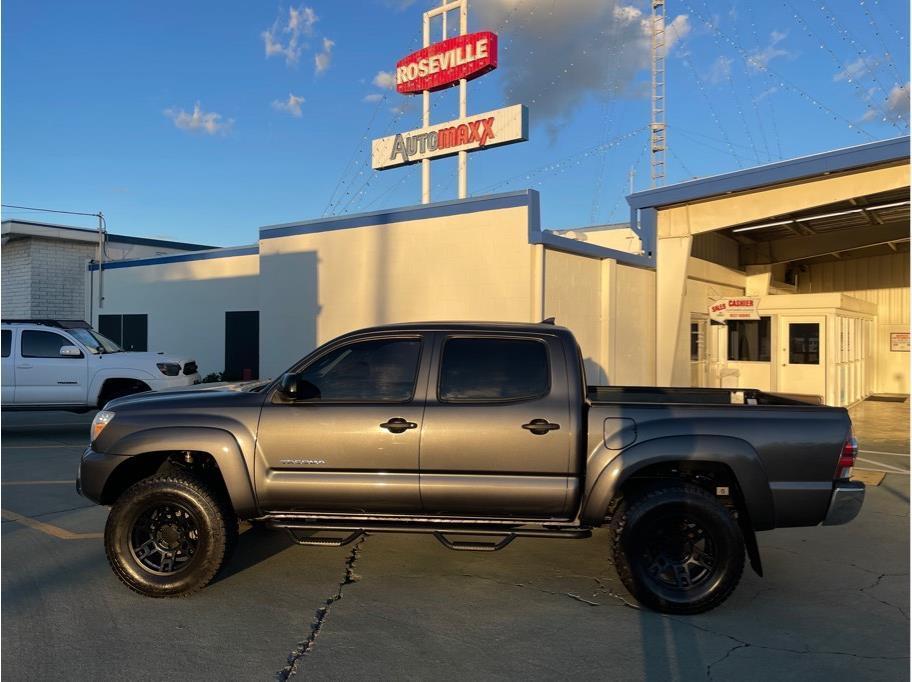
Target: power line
(49,210)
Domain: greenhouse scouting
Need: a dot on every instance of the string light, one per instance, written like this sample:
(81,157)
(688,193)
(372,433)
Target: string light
(776,78)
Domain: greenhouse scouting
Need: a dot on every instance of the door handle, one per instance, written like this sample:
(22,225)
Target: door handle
(398,425)
(24,365)
(540,426)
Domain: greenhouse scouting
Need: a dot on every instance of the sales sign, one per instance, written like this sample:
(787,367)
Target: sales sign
(443,64)
(739,308)
(469,134)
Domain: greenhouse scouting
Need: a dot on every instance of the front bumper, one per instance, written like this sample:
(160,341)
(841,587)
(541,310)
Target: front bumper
(845,503)
(179,381)
(94,471)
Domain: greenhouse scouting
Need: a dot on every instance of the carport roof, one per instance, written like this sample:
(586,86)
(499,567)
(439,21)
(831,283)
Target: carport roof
(839,160)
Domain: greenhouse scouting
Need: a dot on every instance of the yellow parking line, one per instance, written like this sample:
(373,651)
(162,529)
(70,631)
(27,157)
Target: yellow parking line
(47,528)
(37,482)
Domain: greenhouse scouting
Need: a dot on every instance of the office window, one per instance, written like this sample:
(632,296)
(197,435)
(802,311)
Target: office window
(749,340)
(804,344)
(130,332)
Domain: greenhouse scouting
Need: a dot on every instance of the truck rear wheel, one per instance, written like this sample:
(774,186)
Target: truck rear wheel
(168,535)
(677,549)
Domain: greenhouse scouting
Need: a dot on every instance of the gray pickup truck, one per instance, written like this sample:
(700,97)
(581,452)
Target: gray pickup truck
(477,434)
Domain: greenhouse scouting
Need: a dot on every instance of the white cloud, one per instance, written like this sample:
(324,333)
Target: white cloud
(769,92)
(285,38)
(385,80)
(760,59)
(374,97)
(720,69)
(573,50)
(895,107)
(292,105)
(323,59)
(199,121)
(856,70)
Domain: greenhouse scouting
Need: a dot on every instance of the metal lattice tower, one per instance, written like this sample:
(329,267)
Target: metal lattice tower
(657,143)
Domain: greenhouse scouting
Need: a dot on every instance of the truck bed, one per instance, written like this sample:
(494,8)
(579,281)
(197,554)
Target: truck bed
(693,396)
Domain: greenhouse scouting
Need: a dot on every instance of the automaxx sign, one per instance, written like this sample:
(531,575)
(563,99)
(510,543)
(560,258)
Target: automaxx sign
(482,131)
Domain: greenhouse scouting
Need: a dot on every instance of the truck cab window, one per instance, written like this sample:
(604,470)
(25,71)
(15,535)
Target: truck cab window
(383,370)
(493,369)
(37,344)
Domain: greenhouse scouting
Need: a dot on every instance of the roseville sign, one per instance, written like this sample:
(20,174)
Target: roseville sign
(443,64)
(483,131)
(742,308)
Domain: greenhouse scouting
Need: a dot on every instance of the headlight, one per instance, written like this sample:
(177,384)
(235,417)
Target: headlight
(169,369)
(102,419)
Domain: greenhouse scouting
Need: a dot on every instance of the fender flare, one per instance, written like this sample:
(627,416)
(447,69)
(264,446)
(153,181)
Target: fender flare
(115,373)
(219,443)
(738,455)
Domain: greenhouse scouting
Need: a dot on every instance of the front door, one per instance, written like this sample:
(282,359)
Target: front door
(802,360)
(350,445)
(498,437)
(43,376)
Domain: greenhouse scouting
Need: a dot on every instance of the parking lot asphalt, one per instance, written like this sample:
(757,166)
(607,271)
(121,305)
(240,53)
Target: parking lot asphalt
(834,602)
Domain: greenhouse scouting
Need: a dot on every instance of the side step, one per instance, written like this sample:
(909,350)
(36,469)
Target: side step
(345,534)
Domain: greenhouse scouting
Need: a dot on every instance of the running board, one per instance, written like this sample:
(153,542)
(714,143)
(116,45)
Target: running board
(344,534)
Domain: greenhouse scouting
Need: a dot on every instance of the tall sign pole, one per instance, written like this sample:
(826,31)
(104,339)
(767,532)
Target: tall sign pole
(437,66)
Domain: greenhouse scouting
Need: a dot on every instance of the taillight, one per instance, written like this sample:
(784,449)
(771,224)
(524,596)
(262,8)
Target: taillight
(847,457)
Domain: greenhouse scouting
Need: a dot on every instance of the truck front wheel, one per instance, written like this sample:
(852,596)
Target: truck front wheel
(168,535)
(677,549)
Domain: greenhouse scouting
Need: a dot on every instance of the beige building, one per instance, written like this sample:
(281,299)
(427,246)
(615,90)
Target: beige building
(820,242)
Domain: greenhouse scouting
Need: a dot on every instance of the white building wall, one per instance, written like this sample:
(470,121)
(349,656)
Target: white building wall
(186,302)
(318,285)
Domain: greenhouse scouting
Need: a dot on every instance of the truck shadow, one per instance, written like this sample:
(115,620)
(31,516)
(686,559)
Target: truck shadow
(254,546)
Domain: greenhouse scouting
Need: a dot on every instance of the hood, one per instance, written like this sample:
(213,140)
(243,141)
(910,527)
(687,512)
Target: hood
(135,358)
(199,395)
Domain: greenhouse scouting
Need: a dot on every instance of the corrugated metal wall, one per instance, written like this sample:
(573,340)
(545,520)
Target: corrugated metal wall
(883,280)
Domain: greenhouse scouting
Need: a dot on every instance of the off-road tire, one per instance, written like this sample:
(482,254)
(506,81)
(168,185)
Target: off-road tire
(638,516)
(216,533)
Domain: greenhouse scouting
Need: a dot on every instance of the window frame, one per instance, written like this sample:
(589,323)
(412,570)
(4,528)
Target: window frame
(70,342)
(344,343)
(493,401)
(728,347)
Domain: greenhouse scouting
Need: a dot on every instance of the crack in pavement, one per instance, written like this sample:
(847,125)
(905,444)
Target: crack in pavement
(864,590)
(600,589)
(743,644)
(306,646)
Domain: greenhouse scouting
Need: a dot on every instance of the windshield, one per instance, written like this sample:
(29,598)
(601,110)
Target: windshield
(95,342)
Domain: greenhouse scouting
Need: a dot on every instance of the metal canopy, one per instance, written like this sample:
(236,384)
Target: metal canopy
(831,231)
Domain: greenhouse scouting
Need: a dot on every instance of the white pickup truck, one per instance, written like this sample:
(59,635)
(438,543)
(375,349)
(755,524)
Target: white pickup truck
(67,365)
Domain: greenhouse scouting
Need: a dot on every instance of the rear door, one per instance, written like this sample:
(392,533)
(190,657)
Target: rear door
(353,448)
(43,376)
(497,437)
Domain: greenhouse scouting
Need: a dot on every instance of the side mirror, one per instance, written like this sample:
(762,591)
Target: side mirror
(293,387)
(70,352)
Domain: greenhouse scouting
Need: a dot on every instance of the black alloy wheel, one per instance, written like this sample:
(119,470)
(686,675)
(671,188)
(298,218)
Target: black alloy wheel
(165,537)
(676,548)
(169,534)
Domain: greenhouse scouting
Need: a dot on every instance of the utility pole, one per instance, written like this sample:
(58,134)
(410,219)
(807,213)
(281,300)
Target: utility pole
(657,142)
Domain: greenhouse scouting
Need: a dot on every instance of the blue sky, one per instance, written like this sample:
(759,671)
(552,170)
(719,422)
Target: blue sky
(204,120)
